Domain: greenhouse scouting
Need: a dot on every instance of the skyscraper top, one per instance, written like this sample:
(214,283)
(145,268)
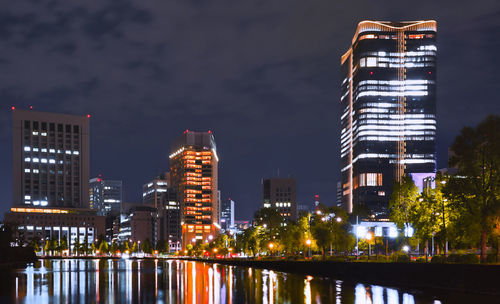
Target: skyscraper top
(390,26)
(204,140)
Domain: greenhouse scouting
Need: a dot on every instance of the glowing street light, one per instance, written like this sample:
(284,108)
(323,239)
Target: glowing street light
(406,248)
(339,220)
(308,242)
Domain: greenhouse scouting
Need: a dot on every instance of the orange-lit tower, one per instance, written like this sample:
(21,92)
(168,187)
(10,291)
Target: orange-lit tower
(193,173)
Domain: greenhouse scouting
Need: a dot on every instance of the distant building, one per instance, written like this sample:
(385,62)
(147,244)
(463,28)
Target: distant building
(152,191)
(170,221)
(280,193)
(240,226)
(106,196)
(139,224)
(227,217)
(388,110)
(194,176)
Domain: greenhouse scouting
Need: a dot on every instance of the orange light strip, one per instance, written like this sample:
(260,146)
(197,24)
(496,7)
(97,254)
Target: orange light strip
(36,210)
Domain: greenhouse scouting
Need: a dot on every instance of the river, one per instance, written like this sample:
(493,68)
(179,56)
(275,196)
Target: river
(174,281)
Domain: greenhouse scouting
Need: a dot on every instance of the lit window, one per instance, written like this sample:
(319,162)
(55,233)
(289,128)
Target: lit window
(59,151)
(76,152)
(52,150)
(27,197)
(35,171)
(44,160)
(68,152)
(44,134)
(35,149)
(52,161)
(35,160)
(27,159)
(371,61)
(27,148)
(27,202)
(44,150)
(35,133)
(44,203)
(27,170)
(36,203)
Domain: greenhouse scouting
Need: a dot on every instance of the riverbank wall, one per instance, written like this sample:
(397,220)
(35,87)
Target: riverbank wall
(471,278)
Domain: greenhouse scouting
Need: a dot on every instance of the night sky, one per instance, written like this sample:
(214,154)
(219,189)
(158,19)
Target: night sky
(264,76)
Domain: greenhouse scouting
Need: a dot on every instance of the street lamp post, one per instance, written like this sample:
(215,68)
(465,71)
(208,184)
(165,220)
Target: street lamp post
(308,242)
(271,246)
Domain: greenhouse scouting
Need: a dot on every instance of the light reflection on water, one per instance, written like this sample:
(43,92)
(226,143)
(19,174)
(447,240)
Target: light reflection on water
(172,281)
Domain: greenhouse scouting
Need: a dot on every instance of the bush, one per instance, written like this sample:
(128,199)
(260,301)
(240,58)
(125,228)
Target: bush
(400,258)
(491,258)
(469,258)
(438,259)
(421,260)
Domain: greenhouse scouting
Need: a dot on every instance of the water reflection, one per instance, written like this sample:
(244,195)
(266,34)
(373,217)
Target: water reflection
(161,281)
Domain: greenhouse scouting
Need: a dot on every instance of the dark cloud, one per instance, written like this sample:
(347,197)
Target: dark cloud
(263,75)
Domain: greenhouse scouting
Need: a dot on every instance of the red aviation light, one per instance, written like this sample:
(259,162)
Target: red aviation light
(430,72)
(31,107)
(13,108)
(371,72)
(210,131)
(88,115)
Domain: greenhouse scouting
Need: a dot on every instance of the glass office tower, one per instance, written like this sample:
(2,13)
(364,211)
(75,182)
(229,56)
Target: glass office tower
(388,106)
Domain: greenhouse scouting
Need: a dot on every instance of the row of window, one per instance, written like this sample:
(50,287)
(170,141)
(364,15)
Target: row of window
(42,126)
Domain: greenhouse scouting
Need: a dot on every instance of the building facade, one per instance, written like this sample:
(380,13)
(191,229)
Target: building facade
(46,224)
(388,106)
(281,194)
(50,159)
(152,191)
(51,178)
(193,175)
(106,196)
(227,215)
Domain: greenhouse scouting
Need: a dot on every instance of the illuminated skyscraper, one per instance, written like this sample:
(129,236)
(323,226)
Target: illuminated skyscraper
(388,106)
(50,159)
(106,196)
(152,191)
(193,174)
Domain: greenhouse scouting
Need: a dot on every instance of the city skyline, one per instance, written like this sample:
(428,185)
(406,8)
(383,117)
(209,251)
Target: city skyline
(253,108)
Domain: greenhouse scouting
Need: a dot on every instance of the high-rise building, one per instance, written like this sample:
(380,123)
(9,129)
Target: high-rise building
(280,193)
(50,159)
(152,191)
(193,174)
(51,179)
(227,215)
(106,196)
(388,106)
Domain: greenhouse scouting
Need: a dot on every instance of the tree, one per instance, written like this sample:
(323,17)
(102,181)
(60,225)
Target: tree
(270,218)
(476,187)
(35,243)
(323,236)
(403,200)
(103,247)
(134,247)
(63,245)
(114,248)
(77,246)
(146,246)
(125,248)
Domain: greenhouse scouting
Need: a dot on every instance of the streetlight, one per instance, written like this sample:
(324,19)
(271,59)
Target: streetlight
(339,220)
(369,237)
(271,246)
(308,242)
(406,248)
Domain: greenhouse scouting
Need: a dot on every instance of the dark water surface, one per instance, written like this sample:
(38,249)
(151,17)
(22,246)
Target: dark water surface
(161,281)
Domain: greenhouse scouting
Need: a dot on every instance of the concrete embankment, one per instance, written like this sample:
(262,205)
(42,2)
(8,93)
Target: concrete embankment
(460,277)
